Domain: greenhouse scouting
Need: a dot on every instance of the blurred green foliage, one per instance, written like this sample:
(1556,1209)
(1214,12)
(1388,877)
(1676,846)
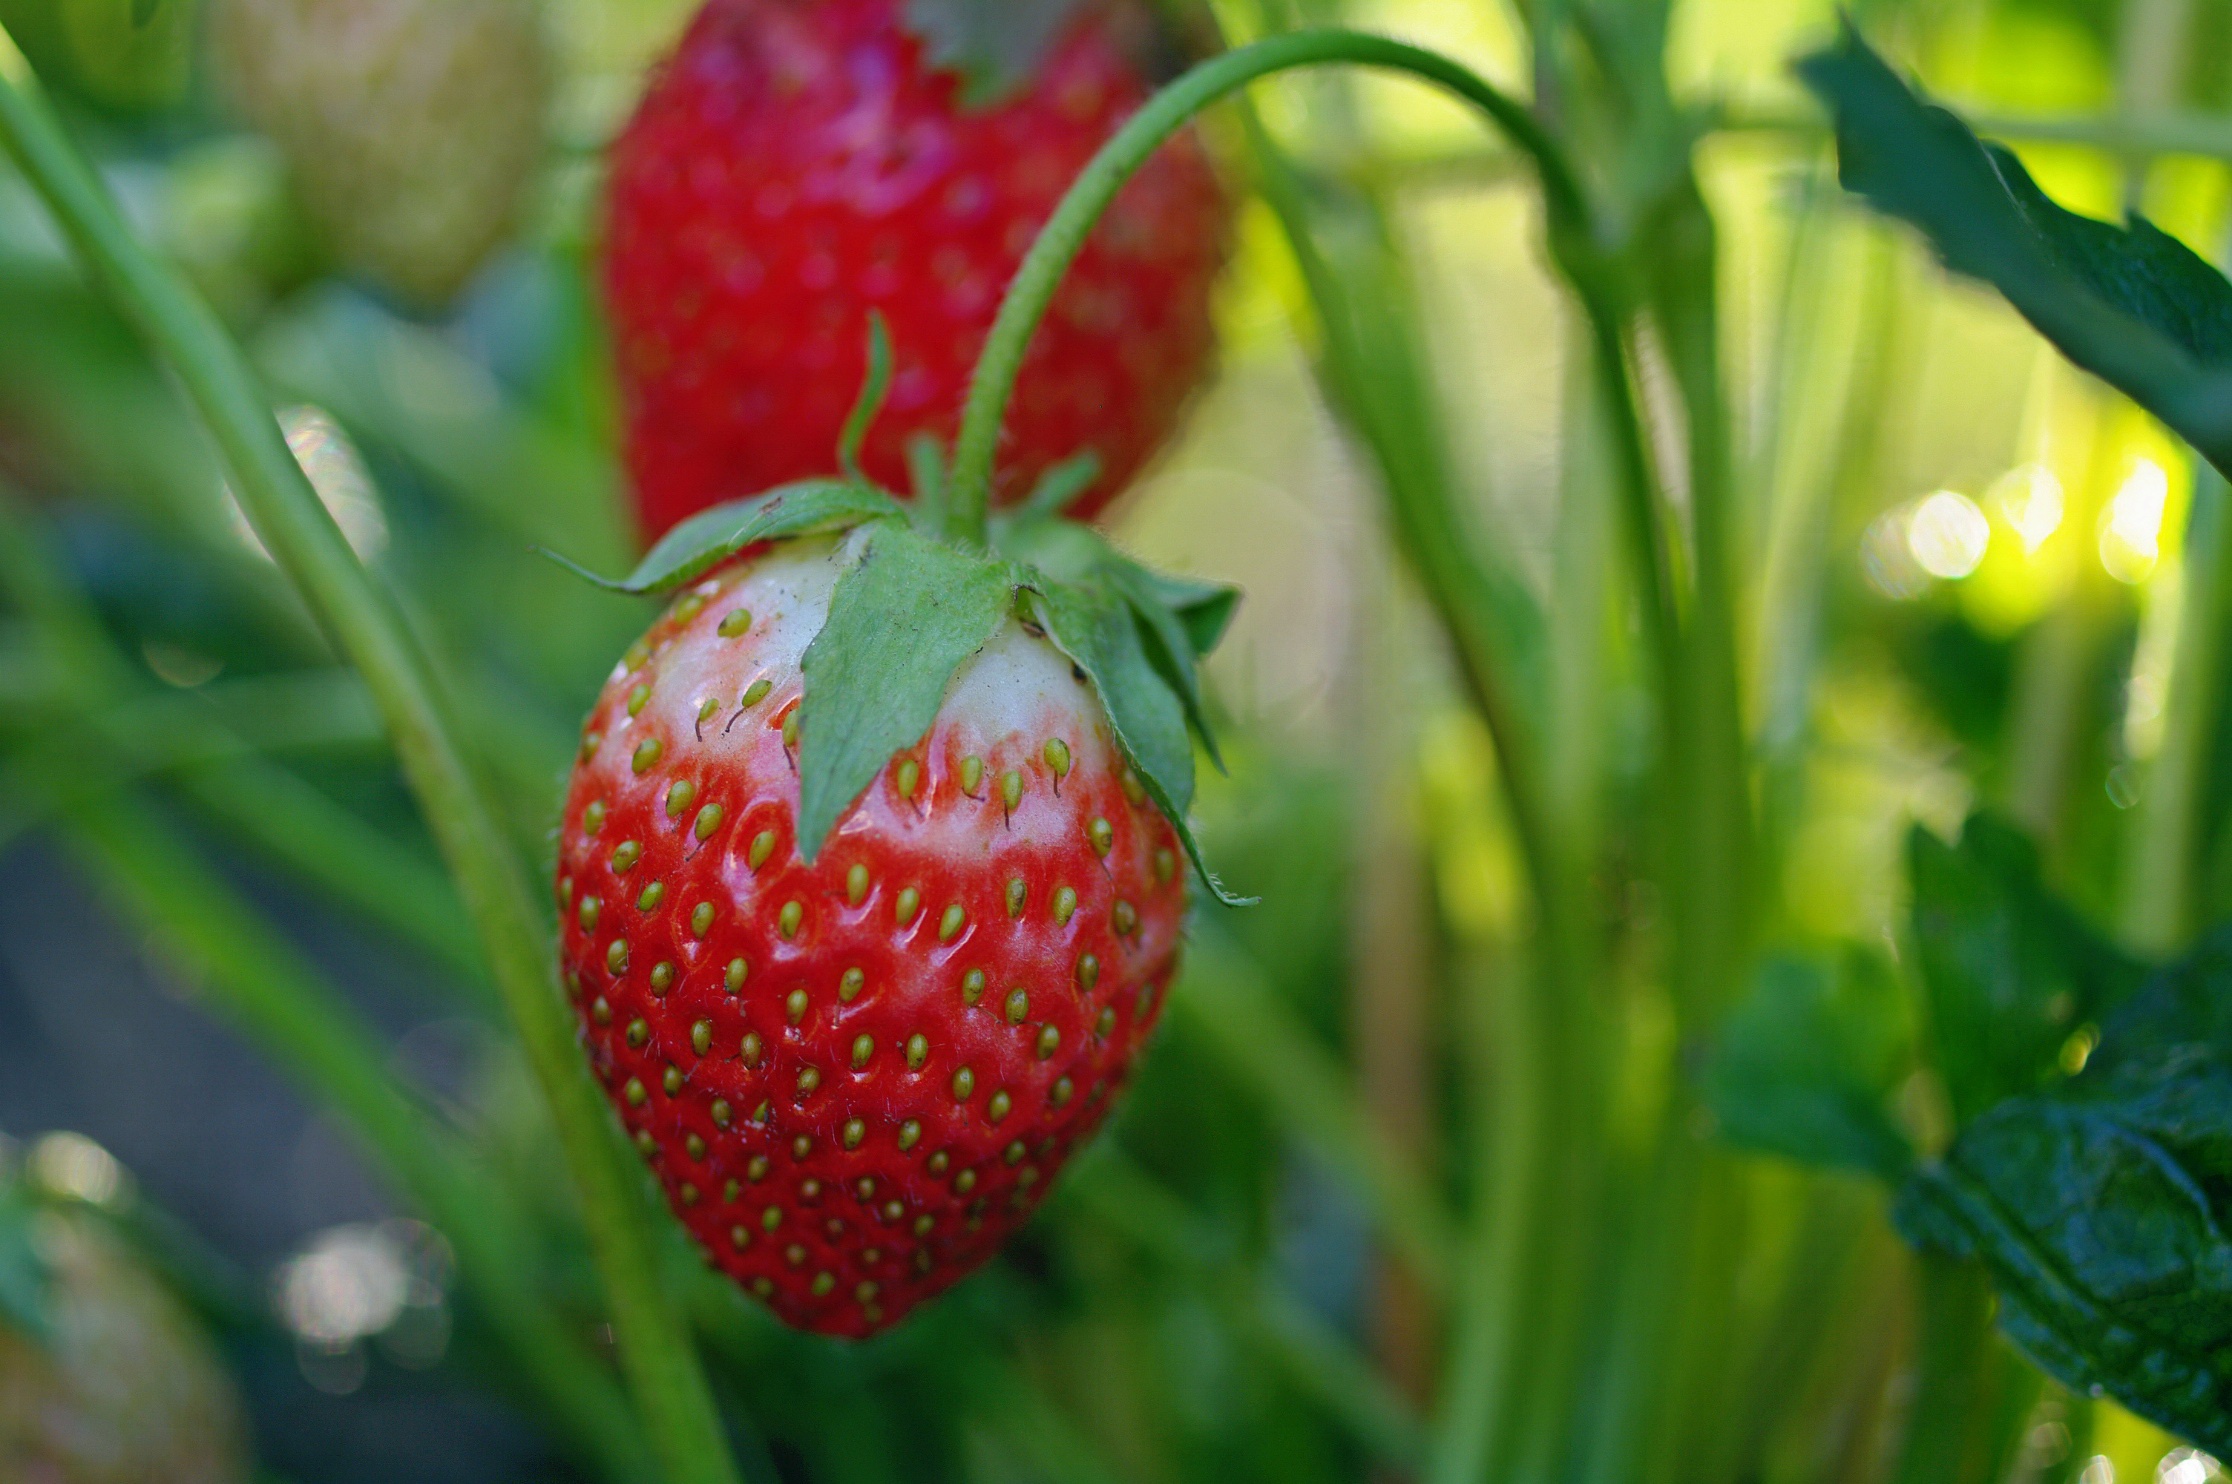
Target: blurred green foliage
(1958,576)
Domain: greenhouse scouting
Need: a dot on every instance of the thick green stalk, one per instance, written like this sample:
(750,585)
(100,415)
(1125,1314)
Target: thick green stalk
(1163,115)
(2161,901)
(656,1352)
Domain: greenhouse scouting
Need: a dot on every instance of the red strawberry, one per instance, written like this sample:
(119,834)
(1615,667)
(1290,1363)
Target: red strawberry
(798,163)
(856,1076)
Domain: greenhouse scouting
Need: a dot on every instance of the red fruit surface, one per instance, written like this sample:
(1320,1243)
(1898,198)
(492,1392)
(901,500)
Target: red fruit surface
(928,1019)
(795,165)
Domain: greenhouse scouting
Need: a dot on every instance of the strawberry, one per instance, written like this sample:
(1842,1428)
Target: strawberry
(104,1377)
(871,879)
(800,162)
(412,128)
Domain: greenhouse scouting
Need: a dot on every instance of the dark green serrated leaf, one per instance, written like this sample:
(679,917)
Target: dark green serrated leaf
(2134,307)
(1806,1063)
(2099,1206)
(901,620)
(711,537)
(1093,625)
(25,1283)
(995,45)
(2009,971)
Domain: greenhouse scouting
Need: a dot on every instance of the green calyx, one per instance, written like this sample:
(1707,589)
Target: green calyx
(912,606)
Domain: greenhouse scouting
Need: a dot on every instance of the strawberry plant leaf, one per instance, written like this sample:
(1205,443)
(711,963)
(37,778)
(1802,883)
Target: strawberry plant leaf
(1806,1064)
(2009,971)
(707,539)
(24,1279)
(2098,1205)
(901,620)
(2131,305)
(995,45)
(1094,626)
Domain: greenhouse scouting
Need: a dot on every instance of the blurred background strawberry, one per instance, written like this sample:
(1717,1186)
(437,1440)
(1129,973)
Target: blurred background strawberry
(413,129)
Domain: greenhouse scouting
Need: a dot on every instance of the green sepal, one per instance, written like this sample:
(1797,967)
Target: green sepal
(1059,487)
(903,618)
(1183,619)
(1169,644)
(874,386)
(1203,609)
(704,541)
(1093,624)
(995,45)
(25,1283)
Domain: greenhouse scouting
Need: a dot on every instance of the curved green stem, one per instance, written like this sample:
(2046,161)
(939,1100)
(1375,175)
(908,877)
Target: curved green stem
(656,1353)
(1163,115)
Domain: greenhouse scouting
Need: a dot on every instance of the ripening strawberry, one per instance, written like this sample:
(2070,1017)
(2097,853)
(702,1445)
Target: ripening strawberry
(856,1076)
(121,1387)
(411,128)
(798,163)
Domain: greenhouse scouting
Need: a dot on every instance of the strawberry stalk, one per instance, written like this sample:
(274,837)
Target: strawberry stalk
(657,1356)
(1163,115)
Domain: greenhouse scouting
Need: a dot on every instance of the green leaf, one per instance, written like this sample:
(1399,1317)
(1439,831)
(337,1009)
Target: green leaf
(1094,626)
(1806,1064)
(994,44)
(901,620)
(24,1280)
(2133,306)
(2009,971)
(711,537)
(2099,1206)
